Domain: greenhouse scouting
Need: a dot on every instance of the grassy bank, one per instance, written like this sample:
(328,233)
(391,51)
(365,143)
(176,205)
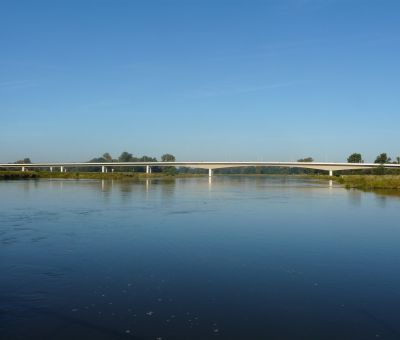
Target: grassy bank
(370,182)
(17,174)
(86,175)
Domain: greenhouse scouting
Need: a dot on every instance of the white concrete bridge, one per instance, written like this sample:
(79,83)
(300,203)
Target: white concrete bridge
(210,166)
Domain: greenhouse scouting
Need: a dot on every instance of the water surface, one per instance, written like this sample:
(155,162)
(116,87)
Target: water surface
(235,258)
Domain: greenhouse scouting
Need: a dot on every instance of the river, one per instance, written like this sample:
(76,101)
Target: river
(242,257)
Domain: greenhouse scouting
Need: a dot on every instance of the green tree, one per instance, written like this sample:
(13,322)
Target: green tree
(382,159)
(107,157)
(167,158)
(398,159)
(125,157)
(23,161)
(170,170)
(147,159)
(355,158)
(307,159)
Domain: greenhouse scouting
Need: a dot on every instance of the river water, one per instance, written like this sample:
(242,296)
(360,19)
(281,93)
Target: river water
(235,258)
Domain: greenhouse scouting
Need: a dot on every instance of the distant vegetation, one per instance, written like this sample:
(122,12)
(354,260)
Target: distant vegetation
(23,161)
(364,179)
(371,182)
(129,157)
(124,157)
(18,174)
(355,158)
(382,158)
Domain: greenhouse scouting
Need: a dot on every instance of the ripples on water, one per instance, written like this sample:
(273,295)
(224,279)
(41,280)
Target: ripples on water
(235,258)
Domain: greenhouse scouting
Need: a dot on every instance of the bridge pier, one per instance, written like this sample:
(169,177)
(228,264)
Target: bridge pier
(330,173)
(148,169)
(61,169)
(103,168)
(51,169)
(210,172)
(23,168)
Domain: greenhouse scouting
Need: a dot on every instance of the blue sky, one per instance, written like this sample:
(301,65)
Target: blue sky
(204,80)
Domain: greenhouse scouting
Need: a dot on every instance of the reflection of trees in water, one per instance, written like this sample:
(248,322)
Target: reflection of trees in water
(355,197)
(387,192)
(128,188)
(168,187)
(125,188)
(381,196)
(106,189)
(381,200)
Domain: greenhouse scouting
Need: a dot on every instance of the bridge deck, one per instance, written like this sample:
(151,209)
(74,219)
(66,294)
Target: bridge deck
(204,165)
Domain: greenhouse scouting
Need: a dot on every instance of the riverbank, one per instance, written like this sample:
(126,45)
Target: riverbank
(15,175)
(363,182)
(366,182)
(370,182)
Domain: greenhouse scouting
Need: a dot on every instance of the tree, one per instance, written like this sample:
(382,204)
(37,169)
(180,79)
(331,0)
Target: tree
(382,158)
(398,159)
(23,161)
(147,159)
(107,157)
(167,158)
(355,158)
(307,159)
(125,157)
(170,170)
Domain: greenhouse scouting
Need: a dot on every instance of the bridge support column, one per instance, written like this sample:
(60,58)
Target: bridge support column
(23,168)
(331,173)
(210,172)
(148,169)
(61,169)
(51,169)
(103,168)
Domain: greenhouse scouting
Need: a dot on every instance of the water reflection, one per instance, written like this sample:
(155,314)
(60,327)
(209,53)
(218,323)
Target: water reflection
(238,257)
(355,197)
(168,186)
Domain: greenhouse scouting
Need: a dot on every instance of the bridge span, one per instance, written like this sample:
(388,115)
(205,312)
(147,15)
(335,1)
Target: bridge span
(210,166)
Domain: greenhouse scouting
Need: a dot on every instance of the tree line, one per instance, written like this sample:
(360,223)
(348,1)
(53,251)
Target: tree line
(128,157)
(125,156)
(382,158)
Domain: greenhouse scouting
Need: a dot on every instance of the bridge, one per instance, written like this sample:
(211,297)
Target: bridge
(210,166)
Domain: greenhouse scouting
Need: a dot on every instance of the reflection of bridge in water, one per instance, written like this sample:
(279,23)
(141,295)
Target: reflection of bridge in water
(210,166)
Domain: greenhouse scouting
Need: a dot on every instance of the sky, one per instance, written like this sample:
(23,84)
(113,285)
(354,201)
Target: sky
(217,80)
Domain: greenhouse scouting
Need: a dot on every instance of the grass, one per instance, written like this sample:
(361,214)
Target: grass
(18,174)
(370,182)
(87,175)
